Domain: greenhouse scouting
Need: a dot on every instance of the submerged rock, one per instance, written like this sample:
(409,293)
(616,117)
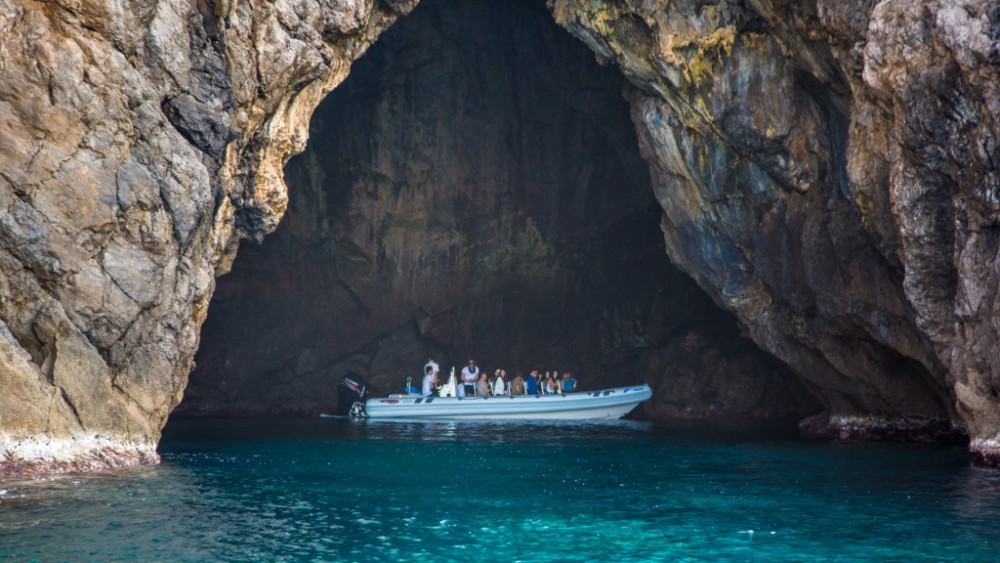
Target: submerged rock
(874,427)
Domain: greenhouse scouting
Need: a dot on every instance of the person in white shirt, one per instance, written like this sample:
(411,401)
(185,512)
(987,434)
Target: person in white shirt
(551,385)
(499,386)
(470,374)
(433,364)
(430,381)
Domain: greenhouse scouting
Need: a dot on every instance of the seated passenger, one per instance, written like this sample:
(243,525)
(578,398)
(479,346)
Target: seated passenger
(551,385)
(470,374)
(483,388)
(568,383)
(430,381)
(531,384)
(499,386)
(517,386)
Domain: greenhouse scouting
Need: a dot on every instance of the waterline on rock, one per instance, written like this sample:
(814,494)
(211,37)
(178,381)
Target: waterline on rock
(36,455)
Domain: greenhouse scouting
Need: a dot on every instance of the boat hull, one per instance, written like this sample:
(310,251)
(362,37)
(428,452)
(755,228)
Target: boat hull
(604,404)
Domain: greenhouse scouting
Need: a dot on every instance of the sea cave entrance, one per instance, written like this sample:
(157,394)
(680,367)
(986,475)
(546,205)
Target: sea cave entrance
(473,189)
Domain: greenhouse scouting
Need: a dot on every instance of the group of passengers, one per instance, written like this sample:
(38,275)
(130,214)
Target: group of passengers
(475,382)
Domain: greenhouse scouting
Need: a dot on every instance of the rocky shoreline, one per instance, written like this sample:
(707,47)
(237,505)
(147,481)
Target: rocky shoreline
(882,428)
(39,456)
(986,451)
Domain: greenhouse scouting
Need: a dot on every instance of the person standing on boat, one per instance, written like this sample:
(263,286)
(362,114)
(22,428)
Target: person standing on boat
(431,363)
(499,386)
(470,374)
(430,381)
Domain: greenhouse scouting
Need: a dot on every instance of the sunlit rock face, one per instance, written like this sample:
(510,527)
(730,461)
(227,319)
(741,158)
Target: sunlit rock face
(474,189)
(828,171)
(138,142)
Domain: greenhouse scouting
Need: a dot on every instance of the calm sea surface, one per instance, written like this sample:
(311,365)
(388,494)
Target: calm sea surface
(332,490)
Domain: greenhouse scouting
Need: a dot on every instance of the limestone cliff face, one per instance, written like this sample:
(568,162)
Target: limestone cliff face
(474,188)
(829,173)
(138,142)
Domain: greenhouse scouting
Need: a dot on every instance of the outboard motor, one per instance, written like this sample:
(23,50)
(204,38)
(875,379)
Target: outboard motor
(352,393)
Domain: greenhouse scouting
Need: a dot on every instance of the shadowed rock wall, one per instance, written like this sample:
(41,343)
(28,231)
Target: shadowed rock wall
(473,189)
(826,171)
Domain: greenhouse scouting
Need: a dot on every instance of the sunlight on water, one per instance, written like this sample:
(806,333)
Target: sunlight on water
(332,490)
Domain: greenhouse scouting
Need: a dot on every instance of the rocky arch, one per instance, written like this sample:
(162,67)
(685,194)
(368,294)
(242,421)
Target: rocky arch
(140,144)
(474,188)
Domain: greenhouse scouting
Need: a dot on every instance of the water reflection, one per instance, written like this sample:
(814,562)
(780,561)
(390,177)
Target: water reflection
(194,431)
(497,432)
(975,494)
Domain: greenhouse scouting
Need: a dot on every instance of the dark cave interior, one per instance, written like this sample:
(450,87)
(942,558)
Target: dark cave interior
(474,189)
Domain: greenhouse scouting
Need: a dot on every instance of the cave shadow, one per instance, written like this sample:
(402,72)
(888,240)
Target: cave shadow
(473,189)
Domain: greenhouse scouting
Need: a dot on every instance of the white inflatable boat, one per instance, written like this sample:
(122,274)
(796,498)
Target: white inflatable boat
(603,404)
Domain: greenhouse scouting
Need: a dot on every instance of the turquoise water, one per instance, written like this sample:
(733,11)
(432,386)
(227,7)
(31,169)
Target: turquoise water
(332,490)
